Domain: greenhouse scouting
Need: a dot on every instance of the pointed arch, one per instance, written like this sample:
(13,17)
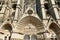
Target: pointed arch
(31,19)
(7,26)
(54,30)
(30,22)
(54,27)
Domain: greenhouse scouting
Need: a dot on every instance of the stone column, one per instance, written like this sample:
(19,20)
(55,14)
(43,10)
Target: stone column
(45,36)
(30,37)
(17,10)
(9,3)
(43,12)
(2,12)
(3,8)
(7,13)
(16,13)
(22,10)
(5,38)
(55,9)
(43,9)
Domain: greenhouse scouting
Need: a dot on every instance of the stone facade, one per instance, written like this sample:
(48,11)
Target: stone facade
(29,19)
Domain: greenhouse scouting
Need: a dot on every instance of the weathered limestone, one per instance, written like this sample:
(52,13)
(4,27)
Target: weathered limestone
(43,9)
(17,10)
(55,9)
(28,25)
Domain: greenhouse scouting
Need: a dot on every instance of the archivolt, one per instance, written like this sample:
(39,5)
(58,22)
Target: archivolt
(53,26)
(7,26)
(30,19)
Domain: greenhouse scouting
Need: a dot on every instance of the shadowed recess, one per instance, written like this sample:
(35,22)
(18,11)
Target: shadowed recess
(7,27)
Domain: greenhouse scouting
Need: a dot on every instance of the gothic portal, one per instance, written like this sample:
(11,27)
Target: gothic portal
(29,19)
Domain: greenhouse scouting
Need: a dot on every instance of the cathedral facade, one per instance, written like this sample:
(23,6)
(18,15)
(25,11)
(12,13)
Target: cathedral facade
(29,19)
